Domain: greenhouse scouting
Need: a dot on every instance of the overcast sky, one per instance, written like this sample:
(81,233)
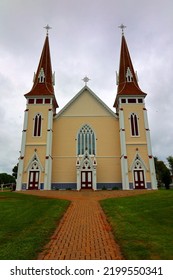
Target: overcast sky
(85,40)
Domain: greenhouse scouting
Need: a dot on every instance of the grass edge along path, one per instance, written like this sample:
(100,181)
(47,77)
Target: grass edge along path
(142,225)
(27,223)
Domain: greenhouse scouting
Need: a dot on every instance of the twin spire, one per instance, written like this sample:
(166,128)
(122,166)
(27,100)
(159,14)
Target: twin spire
(126,78)
(44,79)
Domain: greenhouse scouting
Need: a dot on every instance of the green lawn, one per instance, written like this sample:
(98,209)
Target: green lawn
(143,225)
(26,224)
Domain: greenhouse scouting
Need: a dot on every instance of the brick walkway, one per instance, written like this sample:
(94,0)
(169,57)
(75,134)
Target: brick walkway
(83,232)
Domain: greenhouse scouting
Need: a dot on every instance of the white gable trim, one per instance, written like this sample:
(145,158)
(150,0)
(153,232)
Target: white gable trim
(80,93)
(138,158)
(32,159)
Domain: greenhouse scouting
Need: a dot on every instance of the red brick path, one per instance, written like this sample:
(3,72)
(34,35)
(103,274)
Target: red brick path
(83,232)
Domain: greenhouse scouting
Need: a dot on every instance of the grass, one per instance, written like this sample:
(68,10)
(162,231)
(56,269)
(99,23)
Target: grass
(27,222)
(143,225)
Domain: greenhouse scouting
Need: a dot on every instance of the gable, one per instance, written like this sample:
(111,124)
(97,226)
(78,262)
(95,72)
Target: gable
(86,103)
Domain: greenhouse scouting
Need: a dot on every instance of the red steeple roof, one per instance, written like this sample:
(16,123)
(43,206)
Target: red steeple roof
(127,79)
(43,80)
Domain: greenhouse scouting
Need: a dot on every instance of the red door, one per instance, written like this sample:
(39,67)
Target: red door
(33,180)
(139,179)
(86,179)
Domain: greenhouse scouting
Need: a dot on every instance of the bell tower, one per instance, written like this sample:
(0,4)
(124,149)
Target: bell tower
(137,162)
(35,162)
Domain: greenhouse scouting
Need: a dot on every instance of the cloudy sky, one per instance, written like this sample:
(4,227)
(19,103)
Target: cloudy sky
(85,40)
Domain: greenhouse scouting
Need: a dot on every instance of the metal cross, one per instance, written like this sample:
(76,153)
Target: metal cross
(122,26)
(47,27)
(86,80)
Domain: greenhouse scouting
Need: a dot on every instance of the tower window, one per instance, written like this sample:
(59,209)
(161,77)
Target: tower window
(41,76)
(31,101)
(131,100)
(123,100)
(37,125)
(86,141)
(140,100)
(129,76)
(39,101)
(47,101)
(134,125)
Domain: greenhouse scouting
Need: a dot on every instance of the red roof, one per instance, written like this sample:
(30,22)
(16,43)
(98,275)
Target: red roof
(46,86)
(125,86)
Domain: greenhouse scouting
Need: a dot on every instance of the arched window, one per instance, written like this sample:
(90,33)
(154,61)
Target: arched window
(134,125)
(41,76)
(86,141)
(37,125)
(129,76)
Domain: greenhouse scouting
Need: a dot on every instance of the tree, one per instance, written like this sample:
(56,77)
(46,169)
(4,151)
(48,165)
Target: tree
(170,162)
(6,178)
(14,170)
(162,173)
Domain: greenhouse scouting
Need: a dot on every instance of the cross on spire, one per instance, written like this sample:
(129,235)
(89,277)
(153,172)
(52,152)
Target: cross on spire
(47,27)
(86,80)
(122,26)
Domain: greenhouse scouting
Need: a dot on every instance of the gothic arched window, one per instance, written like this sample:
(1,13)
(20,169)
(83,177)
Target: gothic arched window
(86,141)
(129,76)
(37,125)
(41,76)
(134,125)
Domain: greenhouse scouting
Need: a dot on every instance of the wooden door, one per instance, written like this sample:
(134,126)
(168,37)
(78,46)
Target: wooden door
(86,179)
(33,180)
(139,179)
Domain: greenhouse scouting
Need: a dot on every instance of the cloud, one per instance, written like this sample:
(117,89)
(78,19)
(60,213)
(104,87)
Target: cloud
(85,40)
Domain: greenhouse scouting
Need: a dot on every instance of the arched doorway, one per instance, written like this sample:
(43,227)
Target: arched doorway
(86,172)
(34,170)
(34,176)
(139,175)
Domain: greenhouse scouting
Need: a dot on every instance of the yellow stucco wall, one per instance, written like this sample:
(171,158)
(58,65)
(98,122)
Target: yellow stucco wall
(128,109)
(65,148)
(86,104)
(86,110)
(33,111)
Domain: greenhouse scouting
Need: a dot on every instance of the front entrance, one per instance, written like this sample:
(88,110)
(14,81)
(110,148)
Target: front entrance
(139,180)
(33,180)
(86,179)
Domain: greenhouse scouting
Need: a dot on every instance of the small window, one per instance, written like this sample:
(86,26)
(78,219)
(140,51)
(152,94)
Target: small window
(131,100)
(47,101)
(134,125)
(39,101)
(31,101)
(37,125)
(140,100)
(123,100)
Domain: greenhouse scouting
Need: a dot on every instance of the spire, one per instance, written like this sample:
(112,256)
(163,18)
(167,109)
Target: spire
(126,78)
(43,79)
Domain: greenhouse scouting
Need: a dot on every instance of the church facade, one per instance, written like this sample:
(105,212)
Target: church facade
(86,145)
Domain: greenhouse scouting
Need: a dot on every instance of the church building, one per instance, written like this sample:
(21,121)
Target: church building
(86,145)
